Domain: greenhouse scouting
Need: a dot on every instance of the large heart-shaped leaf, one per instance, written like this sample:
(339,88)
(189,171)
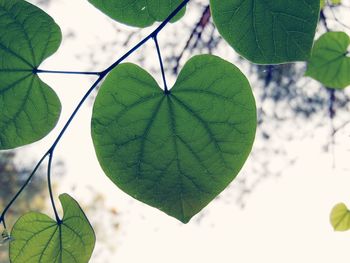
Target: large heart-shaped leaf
(38,238)
(330,61)
(139,13)
(268,32)
(176,151)
(340,217)
(29,109)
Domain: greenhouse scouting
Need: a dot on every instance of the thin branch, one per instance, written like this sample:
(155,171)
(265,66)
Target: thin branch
(50,187)
(66,72)
(323,19)
(196,32)
(70,119)
(331,114)
(143,41)
(166,91)
(335,18)
(103,73)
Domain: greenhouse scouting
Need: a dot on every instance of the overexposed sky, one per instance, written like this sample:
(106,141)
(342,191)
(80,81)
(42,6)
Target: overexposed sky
(286,218)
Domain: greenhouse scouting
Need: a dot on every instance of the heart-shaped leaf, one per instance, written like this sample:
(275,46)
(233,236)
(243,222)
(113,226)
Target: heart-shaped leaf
(268,32)
(340,217)
(330,61)
(38,238)
(29,109)
(176,151)
(139,13)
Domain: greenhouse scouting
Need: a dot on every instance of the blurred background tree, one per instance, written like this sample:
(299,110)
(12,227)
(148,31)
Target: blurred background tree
(34,198)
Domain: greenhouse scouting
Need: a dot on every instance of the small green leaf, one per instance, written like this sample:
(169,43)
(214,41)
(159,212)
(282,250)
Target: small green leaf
(340,217)
(29,109)
(330,61)
(268,32)
(38,238)
(176,151)
(139,13)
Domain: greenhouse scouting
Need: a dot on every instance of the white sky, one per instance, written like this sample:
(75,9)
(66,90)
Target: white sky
(286,219)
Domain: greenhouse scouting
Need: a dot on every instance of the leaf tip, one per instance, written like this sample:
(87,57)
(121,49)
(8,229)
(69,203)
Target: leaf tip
(185,220)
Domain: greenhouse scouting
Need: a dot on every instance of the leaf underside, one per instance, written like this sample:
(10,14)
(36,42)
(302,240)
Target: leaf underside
(38,238)
(29,109)
(268,32)
(139,13)
(340,217)
(175,152)
(330,61)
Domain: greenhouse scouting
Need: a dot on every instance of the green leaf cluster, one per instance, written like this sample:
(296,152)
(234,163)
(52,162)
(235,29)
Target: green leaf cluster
(177,149)
(264,32)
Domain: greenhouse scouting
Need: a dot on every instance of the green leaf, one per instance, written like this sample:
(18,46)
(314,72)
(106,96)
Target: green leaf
(268,32)
(330,61)
(38,238)
(176,151)
(139,13)
(29,109)
(340,217)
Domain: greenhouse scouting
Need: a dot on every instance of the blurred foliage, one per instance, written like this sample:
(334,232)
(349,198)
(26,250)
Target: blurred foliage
(12,177)
(13,174)
(106,223)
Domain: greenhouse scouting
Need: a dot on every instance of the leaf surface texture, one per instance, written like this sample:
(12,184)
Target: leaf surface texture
(39,239)
(340,217)
(330,61)
(265,31)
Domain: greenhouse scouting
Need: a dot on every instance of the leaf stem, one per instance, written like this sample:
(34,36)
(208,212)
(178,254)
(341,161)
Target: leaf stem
(166,91)
(101,76)
(66,72)
(143,41)
(103,73)
(50,186)
(70,119)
